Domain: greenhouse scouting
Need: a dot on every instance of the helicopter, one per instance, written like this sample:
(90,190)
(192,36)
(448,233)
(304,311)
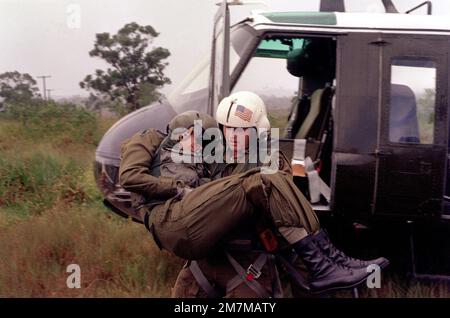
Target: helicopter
(361,100)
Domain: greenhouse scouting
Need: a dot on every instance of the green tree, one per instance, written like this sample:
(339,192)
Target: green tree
(17,87)
(97,103)
(135,71)
(426,104)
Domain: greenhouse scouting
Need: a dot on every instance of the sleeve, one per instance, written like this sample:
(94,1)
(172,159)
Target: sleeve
(137,154)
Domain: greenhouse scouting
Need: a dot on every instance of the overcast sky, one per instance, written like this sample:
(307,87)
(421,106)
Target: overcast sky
(41,37)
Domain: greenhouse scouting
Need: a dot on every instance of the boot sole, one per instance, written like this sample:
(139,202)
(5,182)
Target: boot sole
(382,265)
(335,288)
(385,264)
(319,291)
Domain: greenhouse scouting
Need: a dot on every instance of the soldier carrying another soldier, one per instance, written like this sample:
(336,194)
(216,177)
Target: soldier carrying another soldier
(191,209)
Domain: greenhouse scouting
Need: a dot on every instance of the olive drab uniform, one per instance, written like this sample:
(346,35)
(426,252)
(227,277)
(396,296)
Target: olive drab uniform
(136,169)
(217,268)
(191,226)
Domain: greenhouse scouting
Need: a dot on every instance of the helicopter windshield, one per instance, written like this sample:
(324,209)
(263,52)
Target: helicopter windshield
(278,47)
(301,65)
(192,93)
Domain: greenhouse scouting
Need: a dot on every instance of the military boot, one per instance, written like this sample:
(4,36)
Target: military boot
(339,257)
(324,274)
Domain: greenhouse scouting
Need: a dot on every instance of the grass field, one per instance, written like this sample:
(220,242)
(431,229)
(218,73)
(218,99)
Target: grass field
(51,216)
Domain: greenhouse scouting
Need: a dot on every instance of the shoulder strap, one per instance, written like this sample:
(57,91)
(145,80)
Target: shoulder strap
(156,163)
(254,270)
(202,280)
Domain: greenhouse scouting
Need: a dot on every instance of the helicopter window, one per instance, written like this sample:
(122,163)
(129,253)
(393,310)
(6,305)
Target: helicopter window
(412,101)
(278,71)
(278,48)
(192,92)
(234,58)
(269,79)
(200,80)
(241,42)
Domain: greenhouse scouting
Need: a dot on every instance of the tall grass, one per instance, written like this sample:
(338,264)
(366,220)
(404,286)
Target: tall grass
(394,285)
(30,184)
(51,214)
(45,150)
(116,258)
(51,120)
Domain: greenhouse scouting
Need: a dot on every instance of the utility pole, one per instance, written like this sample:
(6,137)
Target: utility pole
(43,84)
(48,93)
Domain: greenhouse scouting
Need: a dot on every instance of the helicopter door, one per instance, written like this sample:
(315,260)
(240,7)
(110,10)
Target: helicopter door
(412,147)
(219,85)
(355,117)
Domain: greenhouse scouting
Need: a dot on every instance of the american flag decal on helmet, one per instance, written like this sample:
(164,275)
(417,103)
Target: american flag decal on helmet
(243,113)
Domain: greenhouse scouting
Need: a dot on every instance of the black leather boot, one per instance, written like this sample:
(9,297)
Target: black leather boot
(324,274)
(339,257)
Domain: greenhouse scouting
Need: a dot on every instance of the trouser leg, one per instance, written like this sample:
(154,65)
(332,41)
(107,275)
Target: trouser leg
(278,195)
(190,228)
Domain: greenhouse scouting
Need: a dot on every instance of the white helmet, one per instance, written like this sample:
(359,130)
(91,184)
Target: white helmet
(243,110)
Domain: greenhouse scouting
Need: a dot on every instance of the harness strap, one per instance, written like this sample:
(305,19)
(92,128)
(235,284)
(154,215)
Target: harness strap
(244,276)
(248,277)
(155,168)
(203,281)
(276,283)
(299,280)
(234,283)
(146,221)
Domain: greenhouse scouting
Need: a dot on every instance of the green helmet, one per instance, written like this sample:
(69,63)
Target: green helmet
(187,119)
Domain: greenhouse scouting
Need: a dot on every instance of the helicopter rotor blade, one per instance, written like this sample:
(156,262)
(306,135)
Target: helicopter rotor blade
(389,6)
